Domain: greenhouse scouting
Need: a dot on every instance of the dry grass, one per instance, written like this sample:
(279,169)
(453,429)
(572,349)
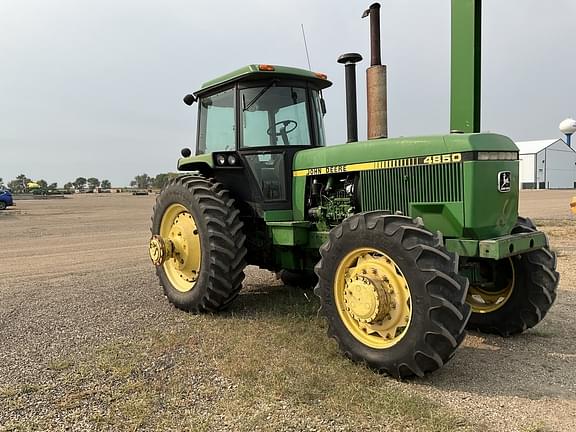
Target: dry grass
(264,366)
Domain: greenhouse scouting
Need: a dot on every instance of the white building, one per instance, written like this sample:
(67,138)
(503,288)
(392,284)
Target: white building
(547,164)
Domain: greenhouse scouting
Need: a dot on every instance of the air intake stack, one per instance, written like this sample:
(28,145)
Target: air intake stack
(376,80)
(349,61)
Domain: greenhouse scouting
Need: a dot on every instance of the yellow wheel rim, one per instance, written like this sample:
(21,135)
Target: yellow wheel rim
(485,301)
(373,298)
(178,228)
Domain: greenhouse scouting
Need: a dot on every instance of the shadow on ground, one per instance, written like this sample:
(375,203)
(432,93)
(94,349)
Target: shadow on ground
(532,365)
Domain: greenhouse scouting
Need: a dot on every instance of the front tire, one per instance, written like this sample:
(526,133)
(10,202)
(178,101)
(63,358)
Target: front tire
(197,217)
(522,292)
(391,294)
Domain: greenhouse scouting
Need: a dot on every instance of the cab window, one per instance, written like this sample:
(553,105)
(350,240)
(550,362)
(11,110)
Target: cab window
(274,115)
(216,131)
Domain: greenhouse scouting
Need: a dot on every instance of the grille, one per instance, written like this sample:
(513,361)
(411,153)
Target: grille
(394,189)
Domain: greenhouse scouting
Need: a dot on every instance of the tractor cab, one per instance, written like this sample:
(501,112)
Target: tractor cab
(251,122)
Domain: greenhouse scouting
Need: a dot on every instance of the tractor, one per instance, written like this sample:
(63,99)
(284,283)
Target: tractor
(408,241)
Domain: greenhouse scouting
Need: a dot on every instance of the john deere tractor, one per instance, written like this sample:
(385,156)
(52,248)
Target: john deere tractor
(409,241)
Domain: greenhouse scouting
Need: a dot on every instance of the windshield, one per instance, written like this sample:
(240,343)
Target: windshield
(274,115)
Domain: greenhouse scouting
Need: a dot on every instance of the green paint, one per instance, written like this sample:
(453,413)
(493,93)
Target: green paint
(278,215)
(510,245)
(465,66)
(463,247)
(498,248)
(448,218)
(397,148)
(298,197)
(458,199)
(317,239)
(487,212)
(252,71)
(196,163)
(289,233)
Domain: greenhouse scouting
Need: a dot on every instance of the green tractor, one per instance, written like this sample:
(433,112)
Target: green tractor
(408,241)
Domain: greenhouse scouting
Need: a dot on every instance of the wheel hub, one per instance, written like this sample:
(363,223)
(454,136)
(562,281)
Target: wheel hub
(159,250)
(373,298)
(489,298)
(366,299)
(177,247)
(183,236)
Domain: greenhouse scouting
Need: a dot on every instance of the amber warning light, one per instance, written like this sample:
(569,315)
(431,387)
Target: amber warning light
(266,67)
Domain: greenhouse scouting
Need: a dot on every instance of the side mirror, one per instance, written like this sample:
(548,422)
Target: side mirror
(323,106)
(185,152)
(189,99)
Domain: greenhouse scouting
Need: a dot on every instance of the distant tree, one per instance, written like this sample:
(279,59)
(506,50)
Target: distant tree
(43,184)
(105,184)
(93,183)
(20,184)
(52,186)
(162,180)
(142,181)
(68,186)
(79,183)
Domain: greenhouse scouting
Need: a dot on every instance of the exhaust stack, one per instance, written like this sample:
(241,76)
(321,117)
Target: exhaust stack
(349,61)
(376,80)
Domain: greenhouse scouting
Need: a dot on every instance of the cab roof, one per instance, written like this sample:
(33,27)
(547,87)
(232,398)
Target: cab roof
(256,71)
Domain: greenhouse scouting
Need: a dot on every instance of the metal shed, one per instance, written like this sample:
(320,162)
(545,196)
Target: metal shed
(547,164)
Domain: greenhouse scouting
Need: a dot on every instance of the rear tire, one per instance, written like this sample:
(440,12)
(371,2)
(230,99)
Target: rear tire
(423,283)
(2,205)
(221,242)
(533,292)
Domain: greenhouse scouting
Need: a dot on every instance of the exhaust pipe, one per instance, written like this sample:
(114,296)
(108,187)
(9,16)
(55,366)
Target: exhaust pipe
(349,61)
(376,80)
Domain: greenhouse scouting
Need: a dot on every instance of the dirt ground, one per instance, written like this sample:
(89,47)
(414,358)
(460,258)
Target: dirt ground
(74,275)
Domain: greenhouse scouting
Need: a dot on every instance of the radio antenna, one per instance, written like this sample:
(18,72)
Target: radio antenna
(306,46)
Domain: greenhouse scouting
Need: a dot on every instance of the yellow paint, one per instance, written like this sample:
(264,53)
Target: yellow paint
(573,205)
(484,301)
(181,246)
(384,164)
(372,297)
(159,250)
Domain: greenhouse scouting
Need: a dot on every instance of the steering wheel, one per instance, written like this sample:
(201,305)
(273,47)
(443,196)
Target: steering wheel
(286,126)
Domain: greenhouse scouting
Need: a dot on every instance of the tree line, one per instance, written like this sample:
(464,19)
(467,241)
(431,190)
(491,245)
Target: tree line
(24,184)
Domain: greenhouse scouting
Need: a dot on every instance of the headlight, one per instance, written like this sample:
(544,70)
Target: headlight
(231,160)
(496,155)
(220,159)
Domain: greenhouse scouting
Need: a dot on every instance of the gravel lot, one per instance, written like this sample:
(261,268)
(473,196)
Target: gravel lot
(74,275)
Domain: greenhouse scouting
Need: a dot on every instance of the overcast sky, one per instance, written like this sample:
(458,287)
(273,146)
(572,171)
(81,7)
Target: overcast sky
(94,87)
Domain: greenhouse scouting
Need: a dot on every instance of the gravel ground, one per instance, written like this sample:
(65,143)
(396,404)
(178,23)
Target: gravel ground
(74,274)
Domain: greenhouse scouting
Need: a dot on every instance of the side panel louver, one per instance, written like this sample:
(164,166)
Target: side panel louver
(395,189)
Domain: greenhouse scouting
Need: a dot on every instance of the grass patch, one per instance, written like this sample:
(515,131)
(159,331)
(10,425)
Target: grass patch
(266,365)
(537,427)
(7,392)
(60,364)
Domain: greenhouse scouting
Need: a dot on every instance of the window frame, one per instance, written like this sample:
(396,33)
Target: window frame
(313,126)
(222,89)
